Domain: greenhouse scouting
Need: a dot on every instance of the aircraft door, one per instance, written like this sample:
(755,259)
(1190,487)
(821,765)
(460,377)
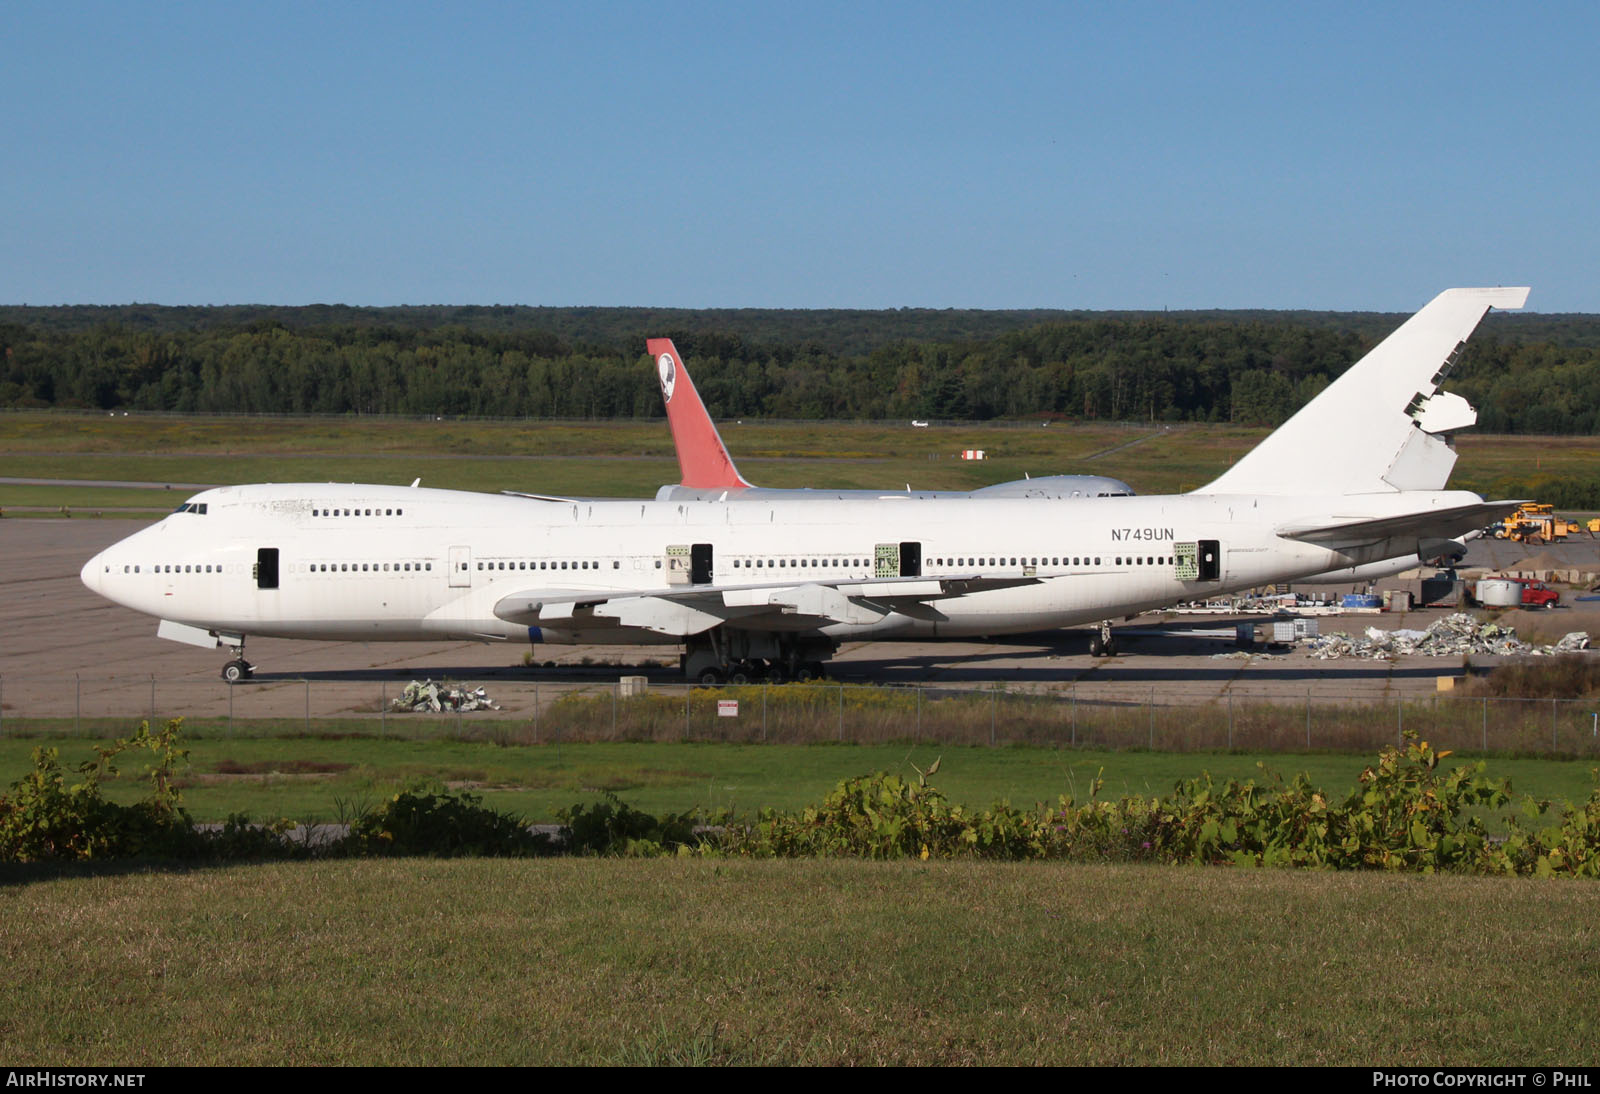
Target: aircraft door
(910,559)
(266,567)
(700,564)
(461,567)
(1201,561)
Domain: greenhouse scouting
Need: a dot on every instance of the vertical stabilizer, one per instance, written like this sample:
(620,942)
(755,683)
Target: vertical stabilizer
(1383,425)
(702,457)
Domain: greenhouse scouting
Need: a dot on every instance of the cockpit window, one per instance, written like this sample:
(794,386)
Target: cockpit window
(192,507)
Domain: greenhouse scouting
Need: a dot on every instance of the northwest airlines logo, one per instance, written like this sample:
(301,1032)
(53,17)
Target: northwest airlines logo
(669,374)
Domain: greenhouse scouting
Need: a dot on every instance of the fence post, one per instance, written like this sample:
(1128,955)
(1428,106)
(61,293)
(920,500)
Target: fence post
(1230,721)
(1486,723)
(536,714)
(152,698)
(77,703)
(764,688)
(2,704)
(994,701)
(1152,719)
(841,712)
(1552,725)
(686,689)
(383,710)
(916,734)
(230,710)
(991,732)
(1308,718)
(308,705)
(1074,714)
(613,713)
(1399,721)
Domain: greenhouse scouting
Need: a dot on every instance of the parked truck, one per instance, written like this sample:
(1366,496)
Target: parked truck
(1512,592)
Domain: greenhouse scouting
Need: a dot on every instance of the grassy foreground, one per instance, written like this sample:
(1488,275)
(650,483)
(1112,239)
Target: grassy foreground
(818,962)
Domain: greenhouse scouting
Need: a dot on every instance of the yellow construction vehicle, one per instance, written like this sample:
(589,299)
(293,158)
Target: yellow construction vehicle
(1534,523)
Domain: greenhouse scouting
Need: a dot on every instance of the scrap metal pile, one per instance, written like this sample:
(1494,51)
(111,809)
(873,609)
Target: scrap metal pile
(423,696)
(1451,636)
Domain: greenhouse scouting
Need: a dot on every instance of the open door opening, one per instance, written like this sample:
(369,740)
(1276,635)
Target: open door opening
(700,564)
(266,567)
(910,559)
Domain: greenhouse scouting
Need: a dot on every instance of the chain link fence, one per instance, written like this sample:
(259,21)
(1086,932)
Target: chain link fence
(1102,716)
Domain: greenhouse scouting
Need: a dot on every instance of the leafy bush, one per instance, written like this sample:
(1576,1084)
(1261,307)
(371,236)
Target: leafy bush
(44,818)
(613,827)
(428,819)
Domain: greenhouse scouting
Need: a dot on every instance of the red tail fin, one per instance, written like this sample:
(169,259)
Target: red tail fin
(702,457)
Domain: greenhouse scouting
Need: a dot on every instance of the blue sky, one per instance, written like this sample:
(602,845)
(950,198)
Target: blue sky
(1127,155)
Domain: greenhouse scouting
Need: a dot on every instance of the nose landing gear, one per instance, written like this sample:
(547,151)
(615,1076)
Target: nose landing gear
(238,669)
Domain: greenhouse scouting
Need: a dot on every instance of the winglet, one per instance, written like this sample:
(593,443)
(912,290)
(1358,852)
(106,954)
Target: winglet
(702,457)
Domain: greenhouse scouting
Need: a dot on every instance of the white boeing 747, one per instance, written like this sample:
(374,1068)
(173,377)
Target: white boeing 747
(1357,476)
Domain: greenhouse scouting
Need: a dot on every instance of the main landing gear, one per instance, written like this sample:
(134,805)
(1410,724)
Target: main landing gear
(1102,644)
(721,656)
(238,669)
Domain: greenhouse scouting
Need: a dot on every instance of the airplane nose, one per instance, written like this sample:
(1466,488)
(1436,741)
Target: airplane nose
(93,571)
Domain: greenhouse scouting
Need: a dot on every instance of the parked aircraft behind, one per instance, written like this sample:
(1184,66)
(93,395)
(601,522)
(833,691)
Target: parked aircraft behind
(778,583)
(708,472)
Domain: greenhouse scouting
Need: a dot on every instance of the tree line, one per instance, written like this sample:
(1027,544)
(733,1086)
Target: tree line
(1249,368)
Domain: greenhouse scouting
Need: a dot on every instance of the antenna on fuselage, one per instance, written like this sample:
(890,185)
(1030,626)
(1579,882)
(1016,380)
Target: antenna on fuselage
(415,482)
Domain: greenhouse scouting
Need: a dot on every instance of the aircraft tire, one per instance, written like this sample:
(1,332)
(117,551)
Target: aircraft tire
(235,672)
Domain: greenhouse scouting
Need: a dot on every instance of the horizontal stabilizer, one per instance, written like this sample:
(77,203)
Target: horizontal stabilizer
(1428,524)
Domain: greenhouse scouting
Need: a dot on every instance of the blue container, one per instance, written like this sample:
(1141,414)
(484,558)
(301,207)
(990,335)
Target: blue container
(1361,600)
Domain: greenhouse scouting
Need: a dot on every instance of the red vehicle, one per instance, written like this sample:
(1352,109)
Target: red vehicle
(1536,594)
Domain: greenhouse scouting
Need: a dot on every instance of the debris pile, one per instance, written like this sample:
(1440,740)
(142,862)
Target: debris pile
(1451,636)
(424,695)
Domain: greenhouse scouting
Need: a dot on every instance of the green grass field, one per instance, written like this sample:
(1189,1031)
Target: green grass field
(813,962)
(303,778)
(633,458)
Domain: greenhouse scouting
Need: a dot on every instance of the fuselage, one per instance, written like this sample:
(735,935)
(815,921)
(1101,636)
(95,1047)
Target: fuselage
(372,562)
